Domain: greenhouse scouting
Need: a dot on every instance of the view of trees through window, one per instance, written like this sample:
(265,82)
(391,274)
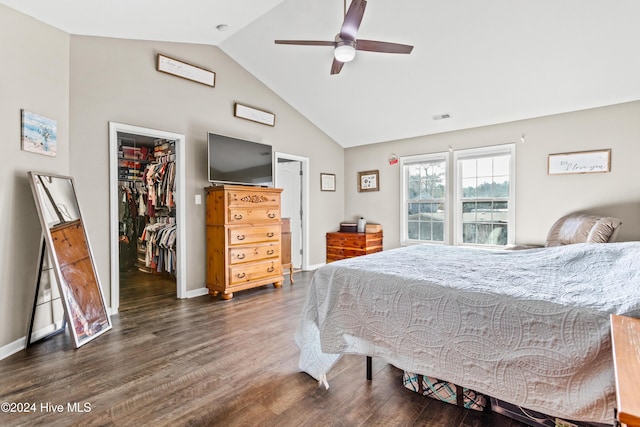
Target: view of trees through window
(485,199)
(426,185)
(481,201)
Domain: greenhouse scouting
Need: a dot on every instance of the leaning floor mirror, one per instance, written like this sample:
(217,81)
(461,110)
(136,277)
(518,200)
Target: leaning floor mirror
(70,253)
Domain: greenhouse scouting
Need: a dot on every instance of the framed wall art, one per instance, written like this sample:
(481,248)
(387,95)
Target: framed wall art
(596,161)
(39,134)
(253,114)
(368,181)
(186,71)
(327,182)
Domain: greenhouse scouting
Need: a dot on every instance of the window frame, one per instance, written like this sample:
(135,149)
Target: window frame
(457,199)
(406,161)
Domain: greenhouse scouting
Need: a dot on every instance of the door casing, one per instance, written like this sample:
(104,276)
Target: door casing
(304,188)
(114,129)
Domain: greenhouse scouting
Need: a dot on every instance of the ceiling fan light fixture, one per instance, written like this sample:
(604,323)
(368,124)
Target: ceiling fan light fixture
(346,43)
(345,51)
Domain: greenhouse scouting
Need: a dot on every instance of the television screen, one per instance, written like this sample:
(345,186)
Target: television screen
(238,161)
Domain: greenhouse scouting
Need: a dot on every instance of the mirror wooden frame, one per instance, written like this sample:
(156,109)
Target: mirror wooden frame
(70,253)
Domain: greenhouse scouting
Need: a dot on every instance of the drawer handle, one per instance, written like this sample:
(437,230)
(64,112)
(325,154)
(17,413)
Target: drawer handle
(270,269)
(271,215)
(241,256)
(237,216)
(271,234)
(270,252)
(241,275)
(241,237)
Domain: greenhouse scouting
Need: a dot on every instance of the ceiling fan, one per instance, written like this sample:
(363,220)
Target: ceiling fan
(346,44)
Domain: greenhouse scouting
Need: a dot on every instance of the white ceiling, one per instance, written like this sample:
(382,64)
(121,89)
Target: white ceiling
(482,62)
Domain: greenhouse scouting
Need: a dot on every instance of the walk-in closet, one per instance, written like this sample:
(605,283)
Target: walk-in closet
(146,218)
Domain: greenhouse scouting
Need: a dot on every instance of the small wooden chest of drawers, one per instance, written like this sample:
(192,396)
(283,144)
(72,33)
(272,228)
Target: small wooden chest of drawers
(341,245)
(243,238)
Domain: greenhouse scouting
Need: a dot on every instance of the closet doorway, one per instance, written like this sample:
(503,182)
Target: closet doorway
(147,211)
(291,174)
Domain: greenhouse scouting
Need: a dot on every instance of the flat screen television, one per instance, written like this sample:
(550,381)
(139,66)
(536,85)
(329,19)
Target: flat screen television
(238,161)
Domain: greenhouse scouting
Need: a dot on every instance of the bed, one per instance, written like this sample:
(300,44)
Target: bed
(529,327)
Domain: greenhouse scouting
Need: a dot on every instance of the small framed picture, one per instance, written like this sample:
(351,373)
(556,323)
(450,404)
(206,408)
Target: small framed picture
(39,134)
(327,182)
(368,181)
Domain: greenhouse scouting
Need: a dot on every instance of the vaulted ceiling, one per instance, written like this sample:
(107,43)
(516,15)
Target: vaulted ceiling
(480,62)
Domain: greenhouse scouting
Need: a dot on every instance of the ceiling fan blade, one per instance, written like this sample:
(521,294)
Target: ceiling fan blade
(352,19)
(336,66)
(385,47)
(306,42)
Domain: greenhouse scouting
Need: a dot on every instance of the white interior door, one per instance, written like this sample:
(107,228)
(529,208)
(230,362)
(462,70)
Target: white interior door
(290,180)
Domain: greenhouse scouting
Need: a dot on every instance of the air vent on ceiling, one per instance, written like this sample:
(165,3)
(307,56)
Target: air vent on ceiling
(442,116)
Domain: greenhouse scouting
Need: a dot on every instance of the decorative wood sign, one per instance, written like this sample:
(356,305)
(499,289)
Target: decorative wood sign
(597,161)
(253,114)
(186,71)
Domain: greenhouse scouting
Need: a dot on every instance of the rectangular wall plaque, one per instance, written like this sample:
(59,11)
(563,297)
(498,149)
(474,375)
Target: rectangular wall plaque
(186,71)
(253,114)
(596,161)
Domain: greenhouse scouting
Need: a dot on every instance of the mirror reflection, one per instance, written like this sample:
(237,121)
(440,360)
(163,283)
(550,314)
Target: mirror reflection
(68,245)
(57,198)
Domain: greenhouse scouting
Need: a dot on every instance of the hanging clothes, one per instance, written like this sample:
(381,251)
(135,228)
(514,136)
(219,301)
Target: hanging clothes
(147,206)
(160,180)
(160,240)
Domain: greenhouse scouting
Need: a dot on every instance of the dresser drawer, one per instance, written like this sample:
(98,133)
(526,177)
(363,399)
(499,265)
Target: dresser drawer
(249,198)
(249,235)
(340,253)
(354,240)
(243,273)
(253,253)
(341,245)
(242,215)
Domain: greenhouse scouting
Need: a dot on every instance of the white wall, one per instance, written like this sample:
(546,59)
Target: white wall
(85,82)
(540,199)
(116,80)
(34,76)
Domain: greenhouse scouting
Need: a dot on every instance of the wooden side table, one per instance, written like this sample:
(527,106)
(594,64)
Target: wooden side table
(341,245)
(625,339)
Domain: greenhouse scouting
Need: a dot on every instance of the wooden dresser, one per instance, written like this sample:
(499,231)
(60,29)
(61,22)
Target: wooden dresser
(341,245)
(243,238)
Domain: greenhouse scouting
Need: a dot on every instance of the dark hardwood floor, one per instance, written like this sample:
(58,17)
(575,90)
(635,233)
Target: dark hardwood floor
(208,362)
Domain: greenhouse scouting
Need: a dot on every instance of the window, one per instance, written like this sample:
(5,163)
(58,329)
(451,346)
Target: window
(424,184)
(484,202)
(481,197)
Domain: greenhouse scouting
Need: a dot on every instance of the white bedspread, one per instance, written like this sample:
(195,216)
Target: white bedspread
(528,327)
